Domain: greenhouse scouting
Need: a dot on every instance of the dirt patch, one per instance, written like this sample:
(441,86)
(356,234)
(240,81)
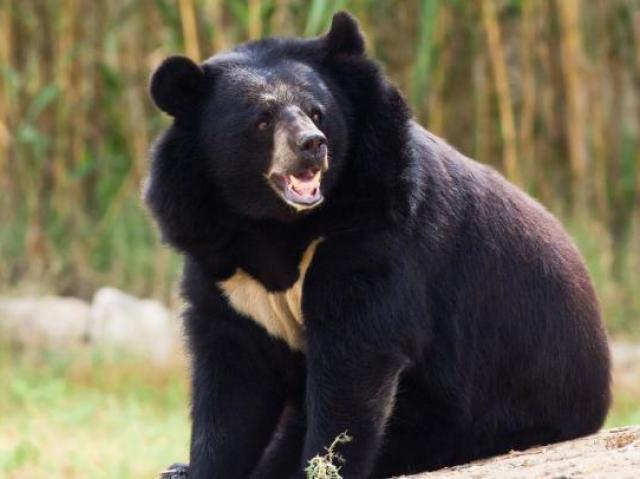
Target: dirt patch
(614,453)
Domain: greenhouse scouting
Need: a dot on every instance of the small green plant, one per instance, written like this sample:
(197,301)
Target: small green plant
(325,467)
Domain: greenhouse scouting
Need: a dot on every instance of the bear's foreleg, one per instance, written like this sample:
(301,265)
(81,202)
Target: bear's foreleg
(355,339)
(237,399)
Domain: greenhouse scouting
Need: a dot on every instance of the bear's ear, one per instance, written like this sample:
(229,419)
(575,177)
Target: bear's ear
(176,85)
(344,36)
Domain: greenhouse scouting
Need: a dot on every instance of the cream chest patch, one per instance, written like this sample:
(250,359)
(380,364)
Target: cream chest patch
(280,313)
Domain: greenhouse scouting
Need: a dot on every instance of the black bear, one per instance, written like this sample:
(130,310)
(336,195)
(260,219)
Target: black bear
(346,270)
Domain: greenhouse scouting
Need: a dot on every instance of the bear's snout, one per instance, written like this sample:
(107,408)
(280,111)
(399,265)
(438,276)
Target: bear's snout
(300,157)
(312,149)
(299,145)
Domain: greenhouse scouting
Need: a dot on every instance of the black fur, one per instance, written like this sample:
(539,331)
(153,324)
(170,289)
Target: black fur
(176,86)
(448,316)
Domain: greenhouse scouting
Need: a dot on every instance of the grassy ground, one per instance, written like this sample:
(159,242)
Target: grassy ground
(80,417)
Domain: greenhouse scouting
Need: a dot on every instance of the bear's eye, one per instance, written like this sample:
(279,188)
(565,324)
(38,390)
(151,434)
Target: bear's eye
(316,116)
(264,121)
(263,124)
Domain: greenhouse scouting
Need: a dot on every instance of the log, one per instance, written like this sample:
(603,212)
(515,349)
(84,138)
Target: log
(614,453)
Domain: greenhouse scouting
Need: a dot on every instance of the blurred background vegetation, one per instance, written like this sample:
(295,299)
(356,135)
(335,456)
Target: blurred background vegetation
(547,91)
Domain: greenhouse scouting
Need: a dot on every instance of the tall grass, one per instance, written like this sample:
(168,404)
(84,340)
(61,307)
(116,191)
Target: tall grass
(547,91)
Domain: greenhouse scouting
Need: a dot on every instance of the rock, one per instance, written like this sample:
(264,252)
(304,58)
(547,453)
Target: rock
(118,321)
(625,354)
(48,321)
(626,367)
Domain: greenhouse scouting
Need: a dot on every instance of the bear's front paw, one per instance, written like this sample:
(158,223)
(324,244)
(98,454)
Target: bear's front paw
(176,471)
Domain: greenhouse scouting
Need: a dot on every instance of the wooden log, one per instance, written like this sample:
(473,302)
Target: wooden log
(612,453)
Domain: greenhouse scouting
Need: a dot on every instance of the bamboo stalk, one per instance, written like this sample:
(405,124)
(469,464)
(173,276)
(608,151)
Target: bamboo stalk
(63,120)
(617,218)
(189,29)
(599,144)
(546,109)
(213,9)
(44,173)
(597,86)
(255,19)
(436,92)
(6,185)
(571,51)
(71,111)
(280,19)
(5,59)
(527,116)
(482,113)
(498,63)
(137,137)
(428,14)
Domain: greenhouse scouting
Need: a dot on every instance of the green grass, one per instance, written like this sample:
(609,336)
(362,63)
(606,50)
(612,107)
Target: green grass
(328,465)
(84,418)
(78,416)
(618,295)
(625,411)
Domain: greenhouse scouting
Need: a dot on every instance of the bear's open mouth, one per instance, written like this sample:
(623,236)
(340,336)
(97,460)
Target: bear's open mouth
(301,190)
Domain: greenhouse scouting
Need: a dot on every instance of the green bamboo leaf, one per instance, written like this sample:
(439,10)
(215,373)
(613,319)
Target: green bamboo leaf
(28,134)
(43,99)
(317,13)
(240,11)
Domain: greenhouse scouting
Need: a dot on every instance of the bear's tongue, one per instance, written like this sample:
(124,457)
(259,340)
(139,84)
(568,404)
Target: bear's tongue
(304,187)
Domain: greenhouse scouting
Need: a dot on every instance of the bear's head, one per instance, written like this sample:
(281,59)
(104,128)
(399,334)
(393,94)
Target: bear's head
(269,124)
(281,129)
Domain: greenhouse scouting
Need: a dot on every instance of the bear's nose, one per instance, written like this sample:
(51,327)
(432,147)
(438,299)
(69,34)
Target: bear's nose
(312,146)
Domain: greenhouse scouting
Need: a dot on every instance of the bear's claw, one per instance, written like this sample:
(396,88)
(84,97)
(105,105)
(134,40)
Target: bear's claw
(176,471)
